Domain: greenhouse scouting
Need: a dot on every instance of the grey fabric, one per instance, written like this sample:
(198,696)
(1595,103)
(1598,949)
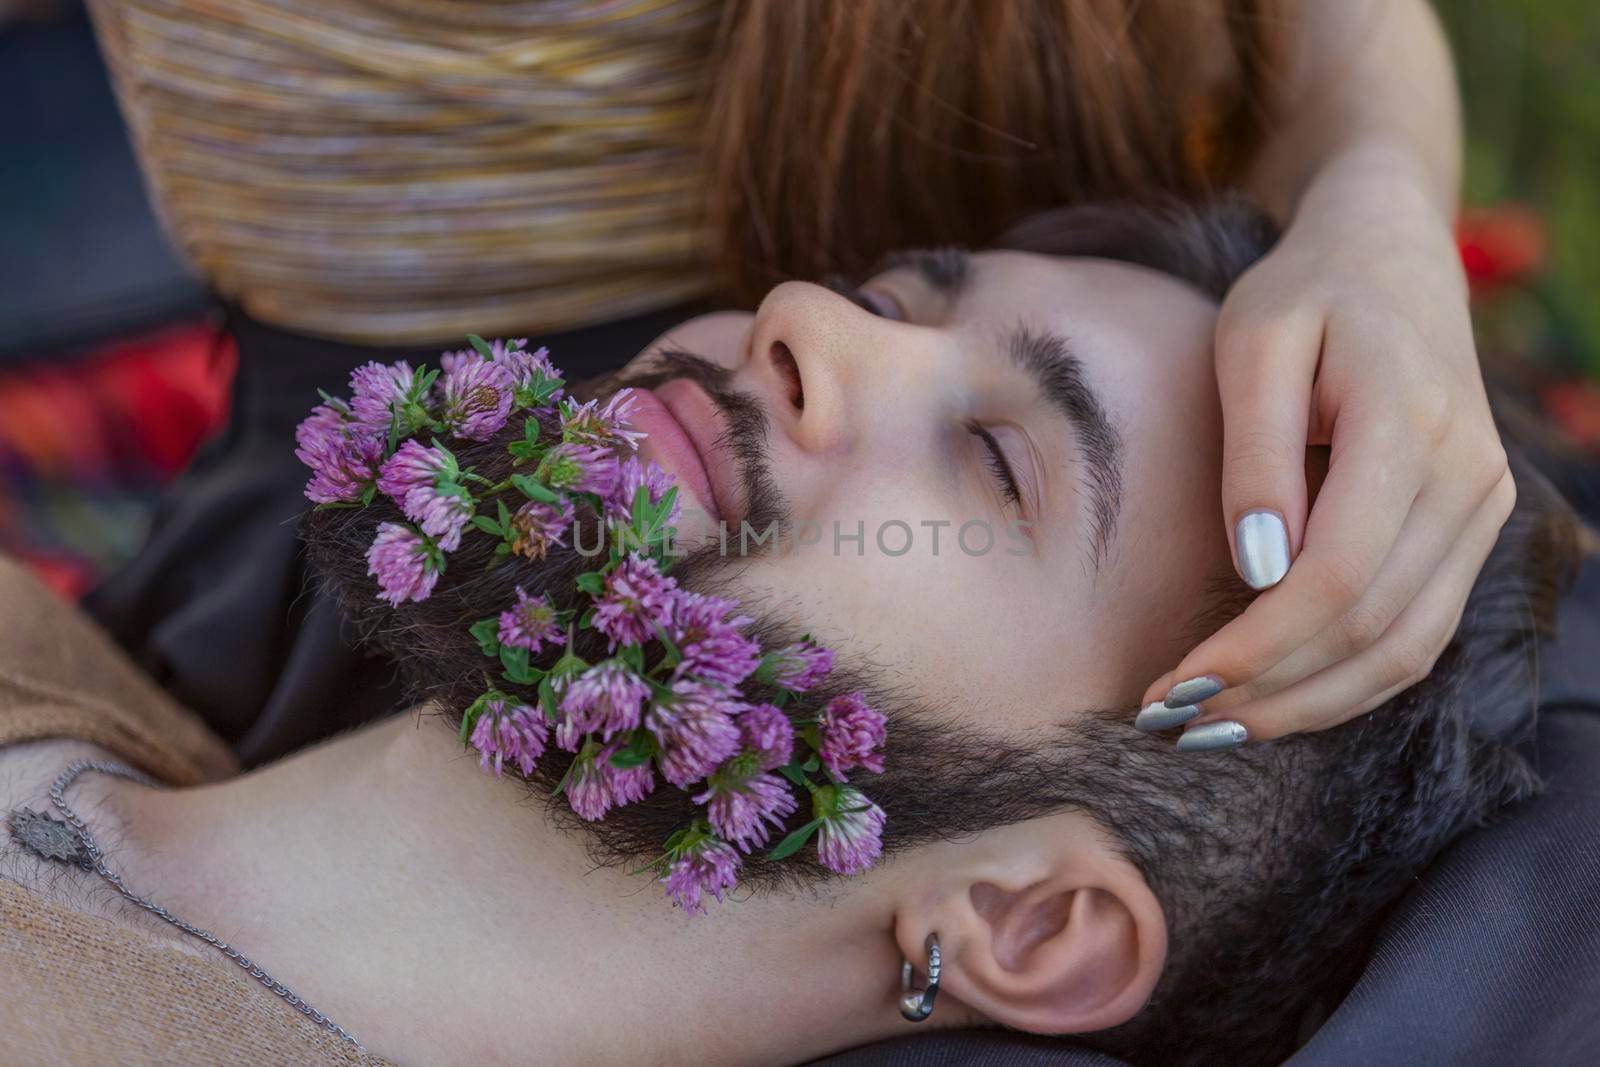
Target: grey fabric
(1494,956)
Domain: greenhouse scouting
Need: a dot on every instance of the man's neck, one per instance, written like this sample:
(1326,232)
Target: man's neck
(436,914)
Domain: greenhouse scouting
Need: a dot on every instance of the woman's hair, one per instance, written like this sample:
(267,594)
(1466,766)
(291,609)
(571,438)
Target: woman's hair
(840,130)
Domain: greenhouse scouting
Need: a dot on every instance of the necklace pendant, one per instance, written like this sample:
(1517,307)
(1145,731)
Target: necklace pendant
(48,838)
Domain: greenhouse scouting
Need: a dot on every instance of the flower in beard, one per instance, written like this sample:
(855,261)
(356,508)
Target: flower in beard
(588,791)
(580,469)
(637,598)
(512,733)
(633,474)
(707,635)
(695,730)
(797,667)
(476,397)
(852,734)
(850,839)
(524,366)
(627,785)
(343,454)
(606,698)
(406,564)
(767,733)
(740,808)
(591,424)
(535,526)
(708,866)
(376,389)
(531,623)
(424,481)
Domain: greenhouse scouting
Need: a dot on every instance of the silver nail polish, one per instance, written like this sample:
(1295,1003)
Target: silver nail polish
(1212,735)
(1157,716)
(1194,691)
(1263,545)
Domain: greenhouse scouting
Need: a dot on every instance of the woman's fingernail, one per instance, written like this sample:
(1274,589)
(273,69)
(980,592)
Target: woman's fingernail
(1157,716)
(1263,545)
(1210,735)
(1194,691)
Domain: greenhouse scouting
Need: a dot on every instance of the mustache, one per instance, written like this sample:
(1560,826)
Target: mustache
(746,436)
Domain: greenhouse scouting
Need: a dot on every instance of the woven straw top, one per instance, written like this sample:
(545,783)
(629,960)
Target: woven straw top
(408,171)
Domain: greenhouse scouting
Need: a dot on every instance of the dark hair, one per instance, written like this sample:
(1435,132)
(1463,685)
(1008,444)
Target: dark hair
(1274,862)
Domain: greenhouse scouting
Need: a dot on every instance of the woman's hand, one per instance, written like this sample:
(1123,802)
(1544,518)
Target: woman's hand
(1352,333)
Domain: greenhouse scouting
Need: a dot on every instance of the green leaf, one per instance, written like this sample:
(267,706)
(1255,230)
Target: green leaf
(633,656)
(368,495)
(592,582)
(533,490)
(480,345)
(795,841)
(487,631)
(547,697)
(810,766)
(515,661)
(669,498)
(636,752)
(626,539)
(469,718)
(570,662)
(586,620)
(487,525)
(676,839)
(792,772)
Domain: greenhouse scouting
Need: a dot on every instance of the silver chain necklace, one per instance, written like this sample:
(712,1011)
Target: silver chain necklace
(49,839)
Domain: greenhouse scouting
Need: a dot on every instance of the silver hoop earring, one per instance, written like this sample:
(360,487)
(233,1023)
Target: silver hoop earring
(917,1004)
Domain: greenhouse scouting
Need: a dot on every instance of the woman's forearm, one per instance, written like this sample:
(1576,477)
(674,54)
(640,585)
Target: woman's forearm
(1370,88)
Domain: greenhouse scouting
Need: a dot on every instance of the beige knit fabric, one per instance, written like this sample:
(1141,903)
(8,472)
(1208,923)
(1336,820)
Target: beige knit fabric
(388,171)
(81,989)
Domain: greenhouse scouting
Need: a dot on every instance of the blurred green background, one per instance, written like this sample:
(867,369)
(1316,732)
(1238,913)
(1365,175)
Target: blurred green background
(1530,82)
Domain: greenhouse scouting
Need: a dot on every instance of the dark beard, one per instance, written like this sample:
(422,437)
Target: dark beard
(942,778)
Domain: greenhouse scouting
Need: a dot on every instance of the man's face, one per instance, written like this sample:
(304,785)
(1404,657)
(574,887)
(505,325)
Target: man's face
(1053,422)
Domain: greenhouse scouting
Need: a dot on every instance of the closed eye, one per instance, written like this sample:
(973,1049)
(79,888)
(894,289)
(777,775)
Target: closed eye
(874,303)
(999,467)
(995,460)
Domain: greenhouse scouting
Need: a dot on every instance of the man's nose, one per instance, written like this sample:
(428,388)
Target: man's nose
(825,365)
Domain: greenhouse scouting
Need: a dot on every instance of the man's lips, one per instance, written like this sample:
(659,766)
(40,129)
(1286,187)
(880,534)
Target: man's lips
(683,426)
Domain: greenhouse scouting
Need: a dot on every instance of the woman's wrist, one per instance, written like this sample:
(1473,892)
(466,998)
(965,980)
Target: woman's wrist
(1378,180)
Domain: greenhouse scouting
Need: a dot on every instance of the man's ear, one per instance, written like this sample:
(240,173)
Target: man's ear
(1057,933)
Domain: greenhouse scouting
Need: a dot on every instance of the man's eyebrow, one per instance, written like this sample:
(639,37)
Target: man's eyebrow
(1058,370)
(945,269)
